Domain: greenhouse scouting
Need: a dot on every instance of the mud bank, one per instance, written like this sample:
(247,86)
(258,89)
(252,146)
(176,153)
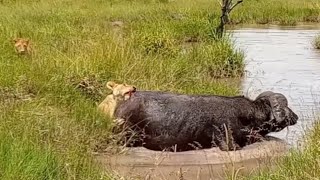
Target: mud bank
(140,163)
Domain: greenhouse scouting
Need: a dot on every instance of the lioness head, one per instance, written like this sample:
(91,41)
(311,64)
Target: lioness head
(21,45)
(121,92)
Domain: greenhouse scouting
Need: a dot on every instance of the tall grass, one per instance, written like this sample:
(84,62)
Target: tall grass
(48,128)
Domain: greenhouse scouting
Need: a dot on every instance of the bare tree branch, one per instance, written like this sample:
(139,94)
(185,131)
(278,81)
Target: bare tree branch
(233,6)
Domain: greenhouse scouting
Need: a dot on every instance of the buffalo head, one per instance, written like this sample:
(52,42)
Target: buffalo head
(280,115)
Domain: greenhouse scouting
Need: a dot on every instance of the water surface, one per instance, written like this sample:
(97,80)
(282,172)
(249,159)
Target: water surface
(283,59)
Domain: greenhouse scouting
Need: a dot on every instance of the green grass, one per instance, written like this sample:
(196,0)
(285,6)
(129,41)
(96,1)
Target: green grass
(316,42)
(299,164)
(49,128)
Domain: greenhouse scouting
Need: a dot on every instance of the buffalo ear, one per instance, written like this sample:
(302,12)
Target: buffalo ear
(278,104)
(278,114)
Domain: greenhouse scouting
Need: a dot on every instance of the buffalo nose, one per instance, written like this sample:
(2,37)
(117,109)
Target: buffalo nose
(294,119)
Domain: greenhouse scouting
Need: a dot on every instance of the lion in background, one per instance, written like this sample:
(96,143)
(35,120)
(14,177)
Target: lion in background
(22,46)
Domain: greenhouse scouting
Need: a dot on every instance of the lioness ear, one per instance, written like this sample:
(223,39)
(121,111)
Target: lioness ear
(111,85)
(27,41)
(15,40)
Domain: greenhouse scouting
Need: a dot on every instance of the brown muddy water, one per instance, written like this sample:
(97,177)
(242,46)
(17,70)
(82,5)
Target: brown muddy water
(280,59)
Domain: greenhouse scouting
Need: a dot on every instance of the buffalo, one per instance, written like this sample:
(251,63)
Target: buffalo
(180,122)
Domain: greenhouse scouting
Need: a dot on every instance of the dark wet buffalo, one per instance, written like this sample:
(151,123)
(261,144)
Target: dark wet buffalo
(168,121)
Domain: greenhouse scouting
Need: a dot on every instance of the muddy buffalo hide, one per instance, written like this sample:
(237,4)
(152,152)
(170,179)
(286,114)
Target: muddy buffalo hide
(179,122)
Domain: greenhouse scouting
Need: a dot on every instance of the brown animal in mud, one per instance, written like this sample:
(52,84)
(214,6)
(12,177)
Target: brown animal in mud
(22,46)
(120,92)
(179,122)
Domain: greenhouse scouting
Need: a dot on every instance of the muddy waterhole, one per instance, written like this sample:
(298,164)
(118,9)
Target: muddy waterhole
(281,59)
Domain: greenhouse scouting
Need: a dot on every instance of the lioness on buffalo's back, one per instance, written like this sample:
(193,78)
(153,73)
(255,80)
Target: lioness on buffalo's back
(120,92)
(168,121)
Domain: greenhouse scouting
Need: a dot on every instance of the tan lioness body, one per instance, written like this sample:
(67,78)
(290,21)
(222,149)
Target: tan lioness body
(120,92)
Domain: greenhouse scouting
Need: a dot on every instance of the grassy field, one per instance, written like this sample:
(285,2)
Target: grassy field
(49,126)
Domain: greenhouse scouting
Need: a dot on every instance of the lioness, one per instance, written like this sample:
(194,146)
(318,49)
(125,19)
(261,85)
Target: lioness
(22,46)
(120,92)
